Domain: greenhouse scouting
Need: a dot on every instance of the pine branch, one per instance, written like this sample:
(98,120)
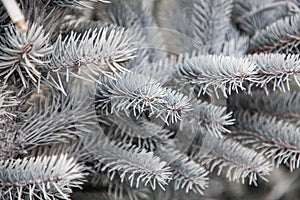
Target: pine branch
(27,56)
(79,3)
(240,162)
(125,13)
(132,164)
(134,131)
(156,69)
(141,52)
(132,90)
(133,15)
(276,70)
(48,177)
(124,191)
(130,126)
(170,194)
(51,18)
(280,36)
(186,173)
(93,53)
(236,44)
(228,74)
(175,19)
(24,55)
(211,20)
(53,120)
(117,190)
(7,101)
(282,105)
(207,118)
(175,105)
(3,15)
(253,15)
(277,139)
(134,93)
(210,72)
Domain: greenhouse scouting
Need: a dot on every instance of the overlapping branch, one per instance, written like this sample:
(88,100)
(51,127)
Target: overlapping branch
(24,55)
(136,93)
(282,105)
(187,174)
(44,176)
(130,163)
(277,139)
(239,162)
(210,72)
(93,53)
(282,36)
(133,130)
(208,119)
(211,21)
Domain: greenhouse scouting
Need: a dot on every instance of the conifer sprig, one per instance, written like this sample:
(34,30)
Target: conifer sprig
(24,55)
(130,163)
(275,138)
(40,177)
(93,53)
(135,93)
(238,162)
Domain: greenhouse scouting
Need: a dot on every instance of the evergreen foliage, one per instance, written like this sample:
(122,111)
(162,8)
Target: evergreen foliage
(131,100)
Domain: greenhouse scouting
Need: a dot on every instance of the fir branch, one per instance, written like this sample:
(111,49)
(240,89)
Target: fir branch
(211,21)
(133,130)
(240,162)
(79,3)
(186,173)
(207,118)
(278,36)
(94,52)
(124,191)
(133,15)
(156,69)
(3,15)
(236,44)
(7,101)
(132,164)
(131,90)
(58,119)
(25,55)
(222,73)
(282,105)
(144,122)
(253,16)
(141,54)
(121,14)
(175,19)
(117,190)
(251,23)
(137,94)
(48,177)
(276,139)
(44,14)
(175,104)
(276,70)
(170,194)
(126,13)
